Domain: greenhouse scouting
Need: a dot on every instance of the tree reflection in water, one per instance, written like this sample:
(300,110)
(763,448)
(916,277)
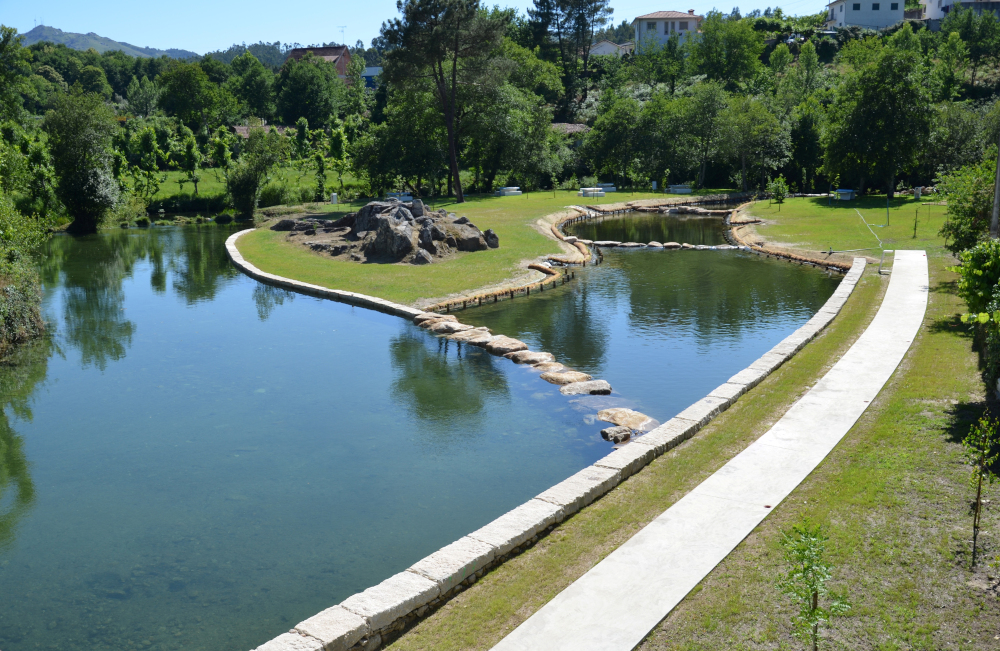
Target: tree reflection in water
(20,373)
(268,297)
(441,386)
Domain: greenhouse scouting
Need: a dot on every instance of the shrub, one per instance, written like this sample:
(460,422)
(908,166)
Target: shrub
(969,193)
(224,218)
(143,222)
(273,194)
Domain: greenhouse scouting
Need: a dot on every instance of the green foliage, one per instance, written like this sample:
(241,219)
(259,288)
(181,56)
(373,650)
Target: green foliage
(20,293)
(979,274)
(979,31)
(806,581)
(780,59)
(969,193)
(247,176)
(252,85)
(14,71)
(612,145)
(80,131)
(143,96)
(309,88)
(754,137)
(949,68)
(728,51)
(320,164)
(778,189)
(981,445)
(188,94)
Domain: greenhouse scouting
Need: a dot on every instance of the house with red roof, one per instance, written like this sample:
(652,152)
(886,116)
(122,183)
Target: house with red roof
(338,55)
(659,25)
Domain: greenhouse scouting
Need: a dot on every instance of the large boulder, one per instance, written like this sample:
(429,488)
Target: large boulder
(492,239)
(374,213)
(587,388)
(417,208)
(393,239)
(284,225)
(468,237)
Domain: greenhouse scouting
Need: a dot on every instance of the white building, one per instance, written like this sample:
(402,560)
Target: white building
(938,9)
(659,25)
(869,14)
(605,47)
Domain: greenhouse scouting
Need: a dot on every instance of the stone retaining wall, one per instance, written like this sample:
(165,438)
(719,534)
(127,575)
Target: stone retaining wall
(364,621)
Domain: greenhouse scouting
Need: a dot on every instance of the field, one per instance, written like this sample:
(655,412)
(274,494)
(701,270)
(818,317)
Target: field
(893,495)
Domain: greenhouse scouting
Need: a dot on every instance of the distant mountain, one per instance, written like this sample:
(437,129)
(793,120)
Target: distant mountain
(99,43)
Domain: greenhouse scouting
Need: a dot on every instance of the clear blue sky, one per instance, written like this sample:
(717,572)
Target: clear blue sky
(206,25)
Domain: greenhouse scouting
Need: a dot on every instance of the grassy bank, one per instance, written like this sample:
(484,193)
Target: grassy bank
(893,494)
(513,219)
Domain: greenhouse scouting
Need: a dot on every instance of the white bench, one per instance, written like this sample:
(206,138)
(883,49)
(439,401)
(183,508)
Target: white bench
(607,187)
(402,196)
(590,192)
(508,192)
(679,189)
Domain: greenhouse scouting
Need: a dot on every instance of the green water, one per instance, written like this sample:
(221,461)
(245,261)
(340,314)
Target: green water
(652,227)
(193,460)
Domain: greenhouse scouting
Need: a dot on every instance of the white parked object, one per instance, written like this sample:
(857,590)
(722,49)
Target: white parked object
(607,187)
(679,189)
(333,197)
(590,192)
(508,192)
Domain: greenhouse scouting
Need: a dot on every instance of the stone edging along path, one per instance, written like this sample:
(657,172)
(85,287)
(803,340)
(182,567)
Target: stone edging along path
(381,613)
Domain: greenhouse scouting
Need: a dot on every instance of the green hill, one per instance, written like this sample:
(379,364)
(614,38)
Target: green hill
(99,43)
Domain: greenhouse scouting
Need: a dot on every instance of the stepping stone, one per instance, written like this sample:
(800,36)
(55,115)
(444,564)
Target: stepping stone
(503,345)
(427,323)
(545,367)
(429,316)
(687,246)
(616,434)
(607,243)
(587,242)
(631,245)
(565,377)
(480,339)
(627,417)
(448,327)
(528,357)
(590,388)
(671,245)
(569,239)
(655,245)
(466,335)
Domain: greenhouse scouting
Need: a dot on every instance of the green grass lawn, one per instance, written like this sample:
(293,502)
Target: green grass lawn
(816,224)
(512,218)
(893,494)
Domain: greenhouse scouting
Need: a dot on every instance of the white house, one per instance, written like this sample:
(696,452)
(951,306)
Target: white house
(938,9)
(605,47)
(659,25)
(867,13)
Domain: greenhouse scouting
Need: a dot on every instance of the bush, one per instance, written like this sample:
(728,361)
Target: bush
(224,218)
(969,193)
(980,273)
(274,194)
(20,292)
(143,222)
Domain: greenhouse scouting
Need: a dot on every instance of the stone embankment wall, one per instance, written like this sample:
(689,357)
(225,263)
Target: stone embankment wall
(739,222)
(364,621)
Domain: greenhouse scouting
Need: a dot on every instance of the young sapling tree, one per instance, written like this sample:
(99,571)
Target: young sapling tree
(980,450)
(805,582)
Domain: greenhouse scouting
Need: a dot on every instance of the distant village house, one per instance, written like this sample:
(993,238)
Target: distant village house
(658,26)
(605,47)
(338,55)
(868,14)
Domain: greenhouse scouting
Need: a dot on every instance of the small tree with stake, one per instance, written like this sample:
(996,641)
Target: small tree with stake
(980,443)
(805,582)
(778,188)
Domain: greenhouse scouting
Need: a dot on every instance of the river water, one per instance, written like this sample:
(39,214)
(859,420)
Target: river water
(193,460)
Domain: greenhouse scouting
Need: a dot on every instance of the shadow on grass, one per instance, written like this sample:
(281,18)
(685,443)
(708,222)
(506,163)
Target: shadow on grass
(963,415)
(952,325)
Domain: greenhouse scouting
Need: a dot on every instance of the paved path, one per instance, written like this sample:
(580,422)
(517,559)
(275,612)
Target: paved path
(615,605)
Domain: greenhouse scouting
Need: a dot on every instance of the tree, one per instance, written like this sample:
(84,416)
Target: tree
(146,178)
(949,69)
(190,161)
(728,51)
(143,96)
(320,162)
(754,135)
(612,144)
(14,71)
(980,445)
(807,146)
(356,96)
(804,547)
(245,177)
(778,189)
(308,88)
(188,94)
(701,119)
(969,192)
(657,63)
(80,129)
(979,31)
(780,59)
(450,43)
(253,86)
(879,116)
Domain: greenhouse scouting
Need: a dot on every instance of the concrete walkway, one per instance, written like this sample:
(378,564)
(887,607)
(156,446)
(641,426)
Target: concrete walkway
(615,605)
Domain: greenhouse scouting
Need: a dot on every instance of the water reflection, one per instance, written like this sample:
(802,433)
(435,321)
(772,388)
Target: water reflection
(268,297)
(20,373)
(652,227)
(440,381)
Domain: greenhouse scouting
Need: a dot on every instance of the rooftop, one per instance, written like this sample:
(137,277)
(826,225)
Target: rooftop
(669,14)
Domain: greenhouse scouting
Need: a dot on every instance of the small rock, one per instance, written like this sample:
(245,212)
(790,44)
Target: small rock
(492,239)
(309,231)
(616,434)
(565,377)
(429,316)
(591,388)
(417,209)
(422,257)
(503,345)
(461,220)
(671,245)
(466,335)
(545,367)
(631,245)
(626,417)
(284,225)
(528,357)
(448,327)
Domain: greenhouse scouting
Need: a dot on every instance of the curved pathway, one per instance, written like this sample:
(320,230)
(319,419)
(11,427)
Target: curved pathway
(615,605)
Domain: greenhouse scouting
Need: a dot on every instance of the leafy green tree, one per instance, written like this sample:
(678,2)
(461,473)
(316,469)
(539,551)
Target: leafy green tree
(143,96)
(309,88)
(805,582)
(807,145)
(14,72)
(657,64)
(780,59)
(879,116)
(454,44)
(92,80)
(778,189)
(145,172)
(665,148)
(980,451)
(253,86)
(80,131)
(754,135)
(728,51)
(187,94)
(969,194)
(949,69)
(320,164)
(532,74)
(356,96)
(702,122)
(612,144)
(249,173)
(190,161)
(217,71)
(980,32)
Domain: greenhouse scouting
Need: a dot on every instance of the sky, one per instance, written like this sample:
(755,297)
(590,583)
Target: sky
(207,25)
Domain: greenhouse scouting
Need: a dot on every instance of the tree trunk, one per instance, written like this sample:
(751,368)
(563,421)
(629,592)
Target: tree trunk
(975,516)
(891,190)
